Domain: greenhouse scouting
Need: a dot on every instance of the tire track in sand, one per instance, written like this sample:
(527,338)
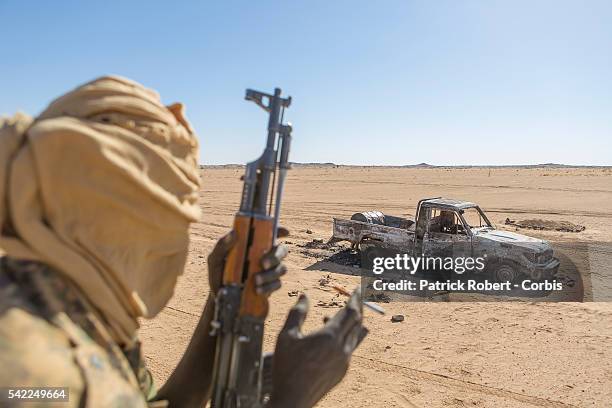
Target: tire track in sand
(465,385)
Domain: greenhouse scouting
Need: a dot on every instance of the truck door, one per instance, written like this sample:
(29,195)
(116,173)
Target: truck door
(462,238)
(446,235)
(420,230)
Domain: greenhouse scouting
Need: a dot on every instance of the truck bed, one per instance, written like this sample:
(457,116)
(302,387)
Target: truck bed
(390,236)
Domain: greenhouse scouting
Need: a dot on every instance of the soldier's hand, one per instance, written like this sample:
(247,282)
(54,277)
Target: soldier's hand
(305,368)
(267,281)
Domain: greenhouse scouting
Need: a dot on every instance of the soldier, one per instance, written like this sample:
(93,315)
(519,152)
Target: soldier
(96,197)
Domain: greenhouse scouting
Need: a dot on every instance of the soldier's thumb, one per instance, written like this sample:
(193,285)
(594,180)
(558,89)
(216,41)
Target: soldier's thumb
(296,317)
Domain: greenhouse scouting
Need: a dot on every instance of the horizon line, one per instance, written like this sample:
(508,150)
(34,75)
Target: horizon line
(426,165)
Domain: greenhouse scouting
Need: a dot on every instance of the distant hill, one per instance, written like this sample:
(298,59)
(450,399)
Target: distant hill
(419,166)
(314,164)
(220,166)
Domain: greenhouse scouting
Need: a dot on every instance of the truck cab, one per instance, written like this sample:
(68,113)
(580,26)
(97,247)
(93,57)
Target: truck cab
(442,227)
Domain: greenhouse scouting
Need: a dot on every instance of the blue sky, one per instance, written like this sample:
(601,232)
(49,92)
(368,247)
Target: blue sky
(387,82)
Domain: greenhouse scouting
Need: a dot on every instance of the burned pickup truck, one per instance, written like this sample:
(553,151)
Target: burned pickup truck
(449,228)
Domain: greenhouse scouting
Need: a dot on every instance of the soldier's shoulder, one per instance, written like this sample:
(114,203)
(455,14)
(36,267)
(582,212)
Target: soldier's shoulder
(43,354)
(38,354)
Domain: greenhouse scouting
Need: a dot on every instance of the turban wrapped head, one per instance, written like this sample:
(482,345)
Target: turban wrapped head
(102,186)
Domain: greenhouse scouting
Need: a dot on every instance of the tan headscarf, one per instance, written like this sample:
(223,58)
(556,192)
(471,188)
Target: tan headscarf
(102,186)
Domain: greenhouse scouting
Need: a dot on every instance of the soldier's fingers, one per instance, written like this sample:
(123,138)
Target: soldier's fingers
(362,334)
(270,275)
(348,323)
(355,336)
(297,315)
(274,257)
(355,300)
(354,321)
(282,232)
(350,340)
(268,288)
(347,318)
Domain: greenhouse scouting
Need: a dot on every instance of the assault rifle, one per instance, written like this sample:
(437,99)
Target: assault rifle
(240,312)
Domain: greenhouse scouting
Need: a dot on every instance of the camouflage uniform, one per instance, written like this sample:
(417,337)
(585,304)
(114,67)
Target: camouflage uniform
(50,336)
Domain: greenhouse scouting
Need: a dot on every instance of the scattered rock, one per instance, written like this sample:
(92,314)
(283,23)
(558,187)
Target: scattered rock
(313,254)
(325,280)
(316,244)
(346,257)
(293,293)
(379,297)
(334,302)
(309,231)
(397,318)
(330,251)
(546,225)
(567,281)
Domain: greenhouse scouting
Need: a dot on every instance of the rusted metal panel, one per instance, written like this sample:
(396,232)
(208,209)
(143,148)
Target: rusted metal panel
(357,231)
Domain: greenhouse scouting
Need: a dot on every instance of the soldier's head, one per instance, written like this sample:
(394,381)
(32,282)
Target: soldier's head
(102,186)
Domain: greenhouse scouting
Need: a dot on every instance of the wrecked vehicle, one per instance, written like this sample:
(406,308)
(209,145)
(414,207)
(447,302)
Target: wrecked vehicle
(449,228)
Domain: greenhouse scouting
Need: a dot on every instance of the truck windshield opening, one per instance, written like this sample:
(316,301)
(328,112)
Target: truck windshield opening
(475,219)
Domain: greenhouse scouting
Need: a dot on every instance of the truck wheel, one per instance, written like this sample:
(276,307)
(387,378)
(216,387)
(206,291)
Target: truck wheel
(370,253)
(367,256)
(505,272)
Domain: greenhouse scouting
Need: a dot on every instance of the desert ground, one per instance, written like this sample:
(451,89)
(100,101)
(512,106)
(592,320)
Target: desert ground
(444,354)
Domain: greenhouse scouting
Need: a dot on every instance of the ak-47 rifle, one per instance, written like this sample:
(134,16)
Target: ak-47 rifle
(240,311)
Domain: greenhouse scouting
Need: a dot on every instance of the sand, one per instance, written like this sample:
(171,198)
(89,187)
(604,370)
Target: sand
(447,354)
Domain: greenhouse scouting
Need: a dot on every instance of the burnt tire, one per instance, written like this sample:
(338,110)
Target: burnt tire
(505,272)
(368,255)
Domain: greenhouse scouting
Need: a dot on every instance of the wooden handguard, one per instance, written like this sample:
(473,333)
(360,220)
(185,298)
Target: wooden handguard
(234,264)
(252,304)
